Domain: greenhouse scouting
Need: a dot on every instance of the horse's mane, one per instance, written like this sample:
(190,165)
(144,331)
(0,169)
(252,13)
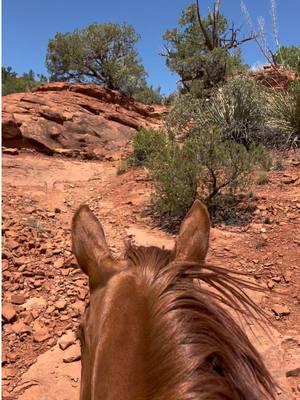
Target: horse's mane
(196,350)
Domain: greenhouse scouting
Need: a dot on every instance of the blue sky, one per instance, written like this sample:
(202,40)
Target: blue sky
(29,24)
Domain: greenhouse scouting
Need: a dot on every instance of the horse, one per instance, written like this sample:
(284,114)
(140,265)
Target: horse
(158,325)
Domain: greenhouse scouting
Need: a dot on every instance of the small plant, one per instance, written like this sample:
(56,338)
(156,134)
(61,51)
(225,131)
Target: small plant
(146,143)
(278,166)
(205,166)
(225,166)
(237,109)
(35,224)
(260,244)
(175,181)
(284,114)
(262,178)
(122,167)
(148,95)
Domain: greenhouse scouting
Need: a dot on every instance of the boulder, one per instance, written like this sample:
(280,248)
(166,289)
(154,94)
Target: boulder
(276,78)
(75,119)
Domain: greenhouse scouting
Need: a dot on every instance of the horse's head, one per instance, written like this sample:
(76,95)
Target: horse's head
(118,308)
(152,331)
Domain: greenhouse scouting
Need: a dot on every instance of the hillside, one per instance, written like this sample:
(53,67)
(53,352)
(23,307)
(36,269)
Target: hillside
(74,119)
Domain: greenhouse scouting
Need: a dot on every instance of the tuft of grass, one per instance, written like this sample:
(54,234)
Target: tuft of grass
(122,167)
(284,114)
(262,179)
(278,166)
(35,224)
(260,244)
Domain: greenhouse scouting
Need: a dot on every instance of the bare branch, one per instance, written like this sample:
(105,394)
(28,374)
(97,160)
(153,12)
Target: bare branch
(236,43)
(216,16)
(166,52)
(208,42)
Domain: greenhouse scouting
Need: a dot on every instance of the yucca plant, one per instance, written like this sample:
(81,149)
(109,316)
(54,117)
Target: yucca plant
(238,110)
(284,114)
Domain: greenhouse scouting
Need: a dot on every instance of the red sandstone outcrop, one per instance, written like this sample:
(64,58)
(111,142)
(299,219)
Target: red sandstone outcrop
(276,78)
(74,118)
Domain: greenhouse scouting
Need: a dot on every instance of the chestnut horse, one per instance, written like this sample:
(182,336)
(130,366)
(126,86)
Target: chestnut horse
(158,327)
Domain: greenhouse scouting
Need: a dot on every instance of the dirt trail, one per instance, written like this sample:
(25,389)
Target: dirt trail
(44,292)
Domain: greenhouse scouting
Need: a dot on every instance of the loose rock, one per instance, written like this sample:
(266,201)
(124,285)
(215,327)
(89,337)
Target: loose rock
(8,312)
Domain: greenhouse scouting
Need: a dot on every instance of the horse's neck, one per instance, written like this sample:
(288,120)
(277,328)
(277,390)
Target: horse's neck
(118,370)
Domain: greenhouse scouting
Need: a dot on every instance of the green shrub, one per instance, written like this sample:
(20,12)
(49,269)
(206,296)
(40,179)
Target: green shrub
(288,57)
(224,165)
(12,83)
(149,95)
(186,117)
(205,166)
(284,114)
(237,109)
(175,182)
(146,143)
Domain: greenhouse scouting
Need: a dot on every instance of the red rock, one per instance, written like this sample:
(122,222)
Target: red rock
(18,299)
(276,279)
(280,310)
(60,304)
(82,294)
(19,328)
(270,284)
(277,78)
(59,262)
(73,353)
(8,373)
(12,244)
(40,333)
(4,357)
(57,116)
(67,340)
(78,308)
(8,312)
(4,265)
(12,152)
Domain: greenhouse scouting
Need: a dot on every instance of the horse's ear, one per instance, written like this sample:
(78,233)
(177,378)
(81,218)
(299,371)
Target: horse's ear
(192,241)
(90,248)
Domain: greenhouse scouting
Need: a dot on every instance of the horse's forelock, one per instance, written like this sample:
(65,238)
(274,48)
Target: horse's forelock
(196,349)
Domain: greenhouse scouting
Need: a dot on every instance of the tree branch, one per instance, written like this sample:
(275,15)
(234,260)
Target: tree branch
(203,30)
(235,43)
(216,16)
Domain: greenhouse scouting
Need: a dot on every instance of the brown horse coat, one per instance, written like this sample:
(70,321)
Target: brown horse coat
(156,328)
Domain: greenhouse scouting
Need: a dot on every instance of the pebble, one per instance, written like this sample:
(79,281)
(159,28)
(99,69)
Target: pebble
(73,354)
(40,333)
(67,340)
(18,299)
(60,304)
(280,310)
(8,312)
(20,327)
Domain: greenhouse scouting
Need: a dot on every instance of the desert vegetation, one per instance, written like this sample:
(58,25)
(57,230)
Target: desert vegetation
(12,83)
(96,132)
(222,122)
